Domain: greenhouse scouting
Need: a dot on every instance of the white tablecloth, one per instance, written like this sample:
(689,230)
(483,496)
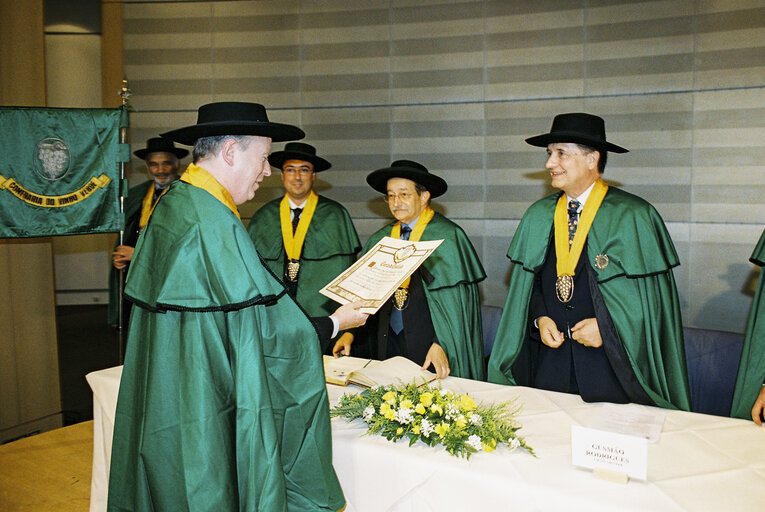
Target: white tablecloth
(700,463)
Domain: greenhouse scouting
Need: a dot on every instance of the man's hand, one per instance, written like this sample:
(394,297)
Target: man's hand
(350,315)
(759,406)
(549,332)
(587,333)
(343,345)
(437,357)
(122,256)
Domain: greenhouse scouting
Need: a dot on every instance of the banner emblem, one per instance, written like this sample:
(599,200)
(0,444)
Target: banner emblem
(51,160)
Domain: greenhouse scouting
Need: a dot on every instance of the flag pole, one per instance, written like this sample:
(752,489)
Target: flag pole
(124,94)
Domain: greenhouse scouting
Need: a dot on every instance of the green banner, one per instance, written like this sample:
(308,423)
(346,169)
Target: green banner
(59,171)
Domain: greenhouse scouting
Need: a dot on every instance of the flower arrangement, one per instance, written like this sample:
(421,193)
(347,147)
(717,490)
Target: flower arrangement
(434,416)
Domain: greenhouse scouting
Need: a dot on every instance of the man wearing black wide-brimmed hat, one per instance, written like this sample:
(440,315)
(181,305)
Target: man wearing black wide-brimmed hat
(222,402)
(163,161)
(592,306)
(434,318)
(305,238)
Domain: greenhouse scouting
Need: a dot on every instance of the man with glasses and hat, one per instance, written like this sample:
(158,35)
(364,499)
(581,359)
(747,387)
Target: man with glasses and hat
(749,394)
(163,161)
(304,238)
(434,319)
(222,402)
(592,307)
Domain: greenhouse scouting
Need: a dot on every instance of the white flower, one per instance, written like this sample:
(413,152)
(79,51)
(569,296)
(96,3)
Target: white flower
(451,412)
(514,443)
(474,441)
(368,413)
(404,415)
(476,419)
(426,428)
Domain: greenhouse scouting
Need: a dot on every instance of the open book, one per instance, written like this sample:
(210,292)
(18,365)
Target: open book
(369,373)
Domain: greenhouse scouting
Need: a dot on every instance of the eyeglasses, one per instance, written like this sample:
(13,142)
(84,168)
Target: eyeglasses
(403,197)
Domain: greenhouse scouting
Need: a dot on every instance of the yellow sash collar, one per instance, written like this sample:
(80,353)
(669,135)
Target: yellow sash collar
(293,244)
(568,258)
(198,177)
(147,206)
(414,236)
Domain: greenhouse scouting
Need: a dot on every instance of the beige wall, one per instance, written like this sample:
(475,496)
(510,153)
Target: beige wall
(459,84)
(29,380)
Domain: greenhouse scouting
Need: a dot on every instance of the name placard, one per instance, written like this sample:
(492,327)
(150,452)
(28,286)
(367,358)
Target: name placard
(599,449)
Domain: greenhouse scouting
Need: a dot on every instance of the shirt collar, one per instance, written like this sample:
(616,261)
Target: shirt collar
(582,197)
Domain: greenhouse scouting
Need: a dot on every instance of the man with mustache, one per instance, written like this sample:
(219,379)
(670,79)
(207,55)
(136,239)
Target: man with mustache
(592,306)
(163,161)
(434,318)
(304,238)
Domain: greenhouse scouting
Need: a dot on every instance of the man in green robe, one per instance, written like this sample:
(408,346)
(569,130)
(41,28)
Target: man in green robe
(163,163)
(592,306)
(222,403)
(317,232)
(749,394)
(436,319)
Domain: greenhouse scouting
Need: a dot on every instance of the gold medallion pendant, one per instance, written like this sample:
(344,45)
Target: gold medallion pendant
(293,267)
(564,288)
(601,261)
(400,297)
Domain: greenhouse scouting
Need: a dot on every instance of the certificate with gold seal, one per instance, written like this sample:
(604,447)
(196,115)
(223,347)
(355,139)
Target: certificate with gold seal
(379,273)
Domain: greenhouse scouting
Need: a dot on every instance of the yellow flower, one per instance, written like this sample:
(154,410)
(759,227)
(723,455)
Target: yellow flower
(390,414)
(489,445)
(467,403)
(437,409)
(426,399)
(441,429)
(419,409)
(390,397)
(460,422)
(416,430)
(406,404)
(384,408)
(399,431)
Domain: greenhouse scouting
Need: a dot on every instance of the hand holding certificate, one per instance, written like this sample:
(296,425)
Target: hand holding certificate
(377,275)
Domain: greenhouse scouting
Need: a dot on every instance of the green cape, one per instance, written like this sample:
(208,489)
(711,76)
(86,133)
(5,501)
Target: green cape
(330,247)
(751,371)
(452,295)
(637,285)
(222,404)
(132,205)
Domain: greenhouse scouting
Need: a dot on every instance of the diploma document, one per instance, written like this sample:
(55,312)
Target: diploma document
(377,275)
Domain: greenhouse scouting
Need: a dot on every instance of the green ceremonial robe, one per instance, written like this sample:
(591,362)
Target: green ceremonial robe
(452,295)
(751,371)
(330,247)
(222,404)
(637,286)
(132,205)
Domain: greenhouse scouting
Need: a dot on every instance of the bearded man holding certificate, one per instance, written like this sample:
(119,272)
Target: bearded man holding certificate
(592,306)
(434,318)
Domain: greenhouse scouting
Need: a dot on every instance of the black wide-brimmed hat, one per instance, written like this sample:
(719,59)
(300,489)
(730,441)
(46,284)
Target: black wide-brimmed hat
(410,170)
(160,145)
(299,151)
(234,118)
(579,128)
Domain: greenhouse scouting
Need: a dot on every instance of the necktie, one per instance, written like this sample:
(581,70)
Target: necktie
(157,193)
(396,318)
(295,218)
(573,220)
